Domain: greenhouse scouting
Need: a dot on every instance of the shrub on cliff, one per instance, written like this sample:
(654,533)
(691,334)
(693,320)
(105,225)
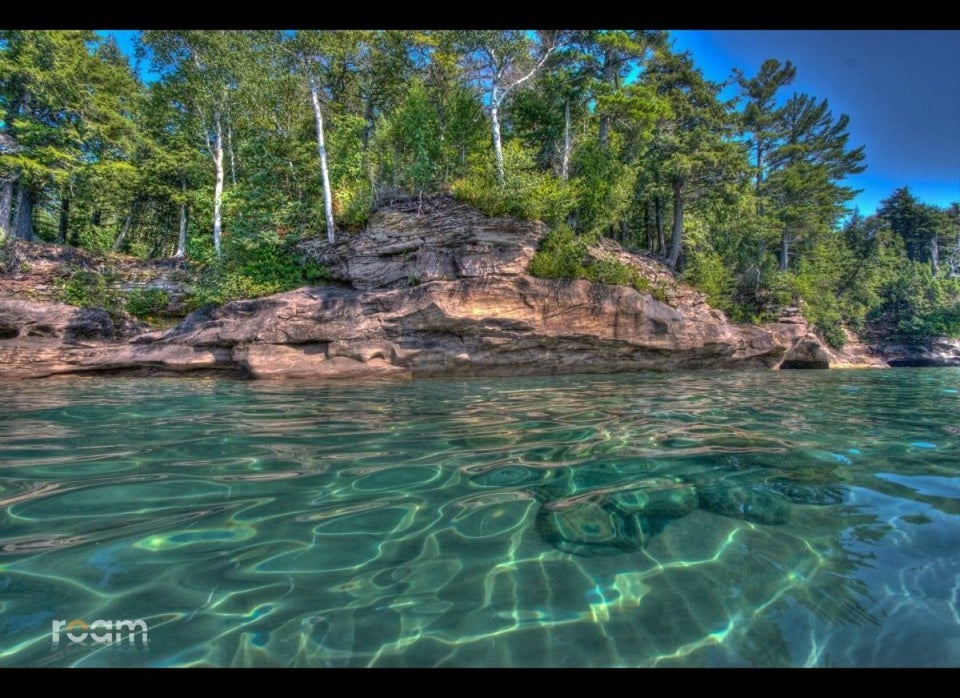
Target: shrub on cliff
(562,255)
(254,269)
(527,193)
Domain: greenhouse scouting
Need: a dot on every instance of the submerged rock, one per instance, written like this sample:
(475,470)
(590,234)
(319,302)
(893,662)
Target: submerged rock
(588,528)
(755,503)
(582,479)
(659,497)
(615,519)
(800,493)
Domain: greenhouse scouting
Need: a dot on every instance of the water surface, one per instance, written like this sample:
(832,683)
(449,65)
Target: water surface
(802,518)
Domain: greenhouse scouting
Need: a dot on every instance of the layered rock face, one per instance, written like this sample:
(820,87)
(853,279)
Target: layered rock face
(431,288)
(940,352)
(413,241)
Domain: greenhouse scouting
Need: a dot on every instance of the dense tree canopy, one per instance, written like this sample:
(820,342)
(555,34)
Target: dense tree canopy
(242,141)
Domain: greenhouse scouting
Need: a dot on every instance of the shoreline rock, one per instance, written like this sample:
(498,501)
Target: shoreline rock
(493,326)
(430,288)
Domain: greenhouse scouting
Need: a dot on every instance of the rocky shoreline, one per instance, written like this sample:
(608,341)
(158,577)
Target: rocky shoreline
(427,290)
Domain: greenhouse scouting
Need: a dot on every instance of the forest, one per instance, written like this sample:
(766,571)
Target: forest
(227,148)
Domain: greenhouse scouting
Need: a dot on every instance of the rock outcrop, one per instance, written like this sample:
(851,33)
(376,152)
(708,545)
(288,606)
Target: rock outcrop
(429,289)
(38,271)
(938,352)
(415,240)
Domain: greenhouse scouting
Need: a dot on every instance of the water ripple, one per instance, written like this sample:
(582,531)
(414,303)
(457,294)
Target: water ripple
(709,519)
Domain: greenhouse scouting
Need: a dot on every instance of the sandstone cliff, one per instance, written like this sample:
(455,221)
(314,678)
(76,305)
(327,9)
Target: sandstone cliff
(428,289)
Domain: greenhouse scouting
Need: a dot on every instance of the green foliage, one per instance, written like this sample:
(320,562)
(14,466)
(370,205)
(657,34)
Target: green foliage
(412,143)
(564,256)
(527,193)
(707,271)
(353,191)
(604,187)
(921,306)
(88,288)
(819,277)
(430,138)
(922,227)
(251,269)
(146,302)
(560,256)
(610,133)
(616,273)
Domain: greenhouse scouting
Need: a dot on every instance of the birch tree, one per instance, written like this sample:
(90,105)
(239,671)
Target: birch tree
(499,62)
(325,60)
(207,67)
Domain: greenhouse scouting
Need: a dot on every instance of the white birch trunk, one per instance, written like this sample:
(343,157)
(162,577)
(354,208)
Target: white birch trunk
(218,186)
(123,232)
(565,167)
(182,237)
(497,143)
(324,173)
(6,206)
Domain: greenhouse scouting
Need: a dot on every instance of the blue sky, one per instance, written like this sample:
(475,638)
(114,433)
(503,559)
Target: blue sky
(900,88)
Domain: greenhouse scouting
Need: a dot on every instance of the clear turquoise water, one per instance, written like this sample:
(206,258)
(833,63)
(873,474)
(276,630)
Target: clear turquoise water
(419,524)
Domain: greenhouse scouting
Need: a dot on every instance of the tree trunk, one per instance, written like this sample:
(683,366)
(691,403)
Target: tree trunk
(218,185)
(182,238)
(497,144)
(784,251)
(123,231)
(607,76)
(324,173)
(604,132)
(759,178)
(649,231)
(6,207)
(658,219)
(934,255)
(233,164)
(23,227)
(676,239)
(370,123)
(565,166)
(64,220)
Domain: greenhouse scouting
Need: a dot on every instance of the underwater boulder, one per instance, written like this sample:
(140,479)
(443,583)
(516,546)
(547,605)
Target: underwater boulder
(588,528)
(582,479)
(800,493)
(750,503)
(668,497)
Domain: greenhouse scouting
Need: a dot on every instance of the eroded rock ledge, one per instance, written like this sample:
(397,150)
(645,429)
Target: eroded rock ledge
(500,325)
(429,289)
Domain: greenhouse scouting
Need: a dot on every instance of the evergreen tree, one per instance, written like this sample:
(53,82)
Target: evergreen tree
(923,228)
